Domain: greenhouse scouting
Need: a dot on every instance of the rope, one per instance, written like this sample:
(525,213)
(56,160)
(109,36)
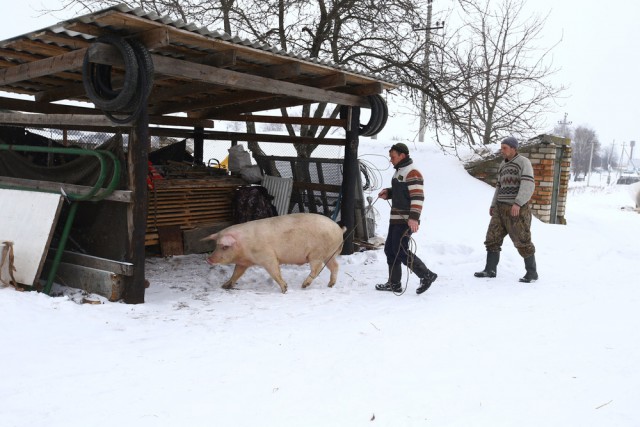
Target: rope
(410,251)
(7,256)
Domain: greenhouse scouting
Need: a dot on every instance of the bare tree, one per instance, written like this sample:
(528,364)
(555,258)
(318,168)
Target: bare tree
(493,80)
(487,78)
(372,36)
(585,142)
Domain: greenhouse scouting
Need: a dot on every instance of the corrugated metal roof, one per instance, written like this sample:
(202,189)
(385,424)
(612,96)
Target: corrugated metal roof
(89,18)
(205,74)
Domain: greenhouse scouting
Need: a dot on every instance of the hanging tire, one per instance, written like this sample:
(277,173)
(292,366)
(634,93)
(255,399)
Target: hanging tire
(144,83)
(377,119)
(374,118)
(96,78)
(383,113)
(138,80)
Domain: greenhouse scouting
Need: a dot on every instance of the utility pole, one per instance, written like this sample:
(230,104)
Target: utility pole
(564,125)
(425,65)
(613,146)
(590,161)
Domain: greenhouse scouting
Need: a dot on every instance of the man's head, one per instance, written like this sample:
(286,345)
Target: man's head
(398,152)
(509,147)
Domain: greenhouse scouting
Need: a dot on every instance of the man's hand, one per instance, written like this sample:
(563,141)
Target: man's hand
(383,194)
(515,210)
(413,225)
(491,211)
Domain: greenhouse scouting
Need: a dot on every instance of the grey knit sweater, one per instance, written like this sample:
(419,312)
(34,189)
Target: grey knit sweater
(515,182)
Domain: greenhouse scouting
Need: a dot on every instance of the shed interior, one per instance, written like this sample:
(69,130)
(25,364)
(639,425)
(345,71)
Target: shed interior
(136,88)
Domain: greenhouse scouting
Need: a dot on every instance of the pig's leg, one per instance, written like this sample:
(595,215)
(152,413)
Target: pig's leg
(333,267)
(273,268)
(237,272)
(316,268)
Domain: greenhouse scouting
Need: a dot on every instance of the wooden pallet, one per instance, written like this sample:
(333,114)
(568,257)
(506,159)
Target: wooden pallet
(189,204)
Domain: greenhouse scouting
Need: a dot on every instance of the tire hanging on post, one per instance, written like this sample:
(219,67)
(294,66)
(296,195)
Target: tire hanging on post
(137,84)
(378,118)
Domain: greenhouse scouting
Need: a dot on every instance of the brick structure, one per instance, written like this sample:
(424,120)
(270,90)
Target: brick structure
(550,157)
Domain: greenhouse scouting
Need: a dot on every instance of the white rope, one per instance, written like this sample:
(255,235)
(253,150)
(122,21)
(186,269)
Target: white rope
(8,258)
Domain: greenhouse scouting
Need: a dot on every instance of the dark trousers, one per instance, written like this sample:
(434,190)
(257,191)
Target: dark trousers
(396,248)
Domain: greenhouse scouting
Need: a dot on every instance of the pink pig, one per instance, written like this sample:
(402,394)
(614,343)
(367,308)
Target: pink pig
(298,238)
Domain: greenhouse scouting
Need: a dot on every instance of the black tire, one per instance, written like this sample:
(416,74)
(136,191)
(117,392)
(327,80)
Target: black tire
(96,78)
(384,115)
(374,119)
(144,83)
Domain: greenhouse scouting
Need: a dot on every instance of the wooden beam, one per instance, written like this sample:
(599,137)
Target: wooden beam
(264,104)
(154,39)
(44,108)
(70,91)
(326,82)
(223,59)
(350,173)
(44,120)
(282,71)
(49,186)
(175,91)
(56,64)
(36,47)
(228,78)
(236,136)
(219,100)
(285,120)
(92,121)
(368,89)
(70,43)
(6,54)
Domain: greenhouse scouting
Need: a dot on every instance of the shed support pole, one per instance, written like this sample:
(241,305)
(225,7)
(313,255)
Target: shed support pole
(198,145)
(137,212)
(350,178)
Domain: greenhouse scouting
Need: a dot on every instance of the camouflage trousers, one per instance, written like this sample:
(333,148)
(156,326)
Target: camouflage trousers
(517,227)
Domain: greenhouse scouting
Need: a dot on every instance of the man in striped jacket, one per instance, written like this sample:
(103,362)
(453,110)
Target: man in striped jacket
(510,213)
(407,195)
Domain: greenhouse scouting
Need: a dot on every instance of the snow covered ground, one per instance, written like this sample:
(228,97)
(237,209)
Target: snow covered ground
(469,352)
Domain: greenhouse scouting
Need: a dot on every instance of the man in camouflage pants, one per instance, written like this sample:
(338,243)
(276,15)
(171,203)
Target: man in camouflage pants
(510,212)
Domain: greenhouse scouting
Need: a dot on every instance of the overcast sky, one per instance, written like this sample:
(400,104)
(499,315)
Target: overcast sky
(598,58)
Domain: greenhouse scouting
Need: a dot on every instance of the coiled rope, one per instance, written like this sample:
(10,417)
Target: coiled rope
(131,98)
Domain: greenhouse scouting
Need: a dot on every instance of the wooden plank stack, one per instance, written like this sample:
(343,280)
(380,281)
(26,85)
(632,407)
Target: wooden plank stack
(189,203)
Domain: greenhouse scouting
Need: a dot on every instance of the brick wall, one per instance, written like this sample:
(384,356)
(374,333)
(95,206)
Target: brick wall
(550,157)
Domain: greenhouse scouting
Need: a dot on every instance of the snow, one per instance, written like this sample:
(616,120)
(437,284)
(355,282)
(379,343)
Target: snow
(469,352)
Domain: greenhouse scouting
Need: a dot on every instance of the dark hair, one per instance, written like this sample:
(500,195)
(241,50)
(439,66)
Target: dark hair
(400,148)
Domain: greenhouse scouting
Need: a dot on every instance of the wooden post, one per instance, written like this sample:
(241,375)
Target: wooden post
(198,145)
(350,178)
(137,212)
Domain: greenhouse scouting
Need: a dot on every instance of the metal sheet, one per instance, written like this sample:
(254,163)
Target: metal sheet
(27,219)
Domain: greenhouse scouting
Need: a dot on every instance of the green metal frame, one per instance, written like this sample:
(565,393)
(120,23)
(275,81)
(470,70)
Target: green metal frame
(94,194)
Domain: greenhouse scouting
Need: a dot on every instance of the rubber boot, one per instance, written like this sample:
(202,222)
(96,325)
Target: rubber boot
(530,266)
(491,268)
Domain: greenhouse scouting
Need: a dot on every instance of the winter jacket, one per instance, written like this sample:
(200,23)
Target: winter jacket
(406,193)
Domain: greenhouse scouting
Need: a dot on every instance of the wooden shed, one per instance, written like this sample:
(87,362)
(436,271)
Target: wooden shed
(135,76)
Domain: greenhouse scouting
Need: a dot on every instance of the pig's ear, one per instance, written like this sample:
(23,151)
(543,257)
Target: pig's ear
(211,237)
(227,241)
